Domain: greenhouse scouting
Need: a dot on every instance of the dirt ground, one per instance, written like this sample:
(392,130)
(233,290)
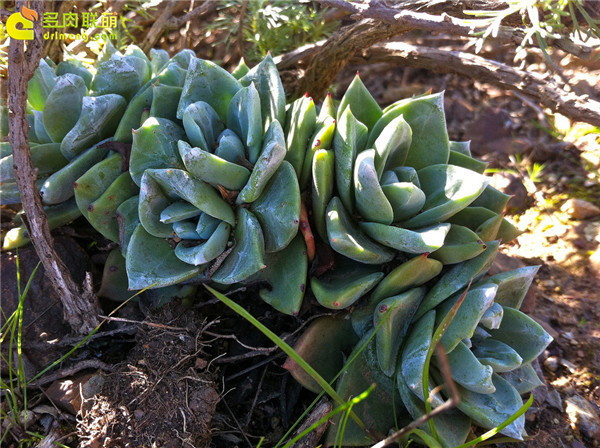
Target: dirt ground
(192,375)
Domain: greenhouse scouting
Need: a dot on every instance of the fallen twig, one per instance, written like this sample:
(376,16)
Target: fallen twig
(69,371)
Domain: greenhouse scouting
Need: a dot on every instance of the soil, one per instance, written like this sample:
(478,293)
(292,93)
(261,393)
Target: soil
(163,394)
(195,375)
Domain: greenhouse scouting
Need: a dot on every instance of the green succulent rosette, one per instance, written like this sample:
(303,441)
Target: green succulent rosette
(201,175)
(213,197)
(415,227)
(72,118)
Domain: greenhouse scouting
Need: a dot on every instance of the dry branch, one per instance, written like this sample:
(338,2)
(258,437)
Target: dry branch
(166,22)
(80,307)
(337,51)
(533,85)
(402,14)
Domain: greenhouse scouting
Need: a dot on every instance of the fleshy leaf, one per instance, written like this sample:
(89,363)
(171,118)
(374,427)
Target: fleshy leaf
(286,274)
(155,146)
(197,193)
(344,285)
(323,175)
(272,155)
(524,379)
(100,116)
(396,313)
(461,244)
(376,411)
(207,251)
(206,81)
(469,372)
(300,125)
(212,169)
(278,208)
(243,117)
(151,262)
(101,212)
(452,426)
(476,302)
(347,239)
(491,410)
(265,77)
(496,354)
(425,115)
(522,333)
(417,241)
(63,106)
(361,102)
(349,139)
(247,256)
(458,277)
(448,189)
(96,180)
(323,346)
(371,202)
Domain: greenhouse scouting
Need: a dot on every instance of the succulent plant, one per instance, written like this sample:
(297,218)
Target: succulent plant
(209,194)
(415,227)
(213,186)
(69,122)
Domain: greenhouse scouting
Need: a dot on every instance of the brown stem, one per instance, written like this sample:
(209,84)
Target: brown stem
(533,85)
(80,307)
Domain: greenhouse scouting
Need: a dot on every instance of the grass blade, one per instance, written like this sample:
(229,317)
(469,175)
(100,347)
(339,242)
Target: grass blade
(288,350)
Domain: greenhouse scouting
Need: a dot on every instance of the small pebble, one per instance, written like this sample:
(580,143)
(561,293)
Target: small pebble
(583,417)
(580,353)
(556,421)
(551,363)
(138,414)
(200,364)
(580,209)
(554,400)
(573,342)
(568,365)
(569,438)
(568,335)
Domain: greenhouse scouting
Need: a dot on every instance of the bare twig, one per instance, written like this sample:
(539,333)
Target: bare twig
(137,322)
(80,306)
(83,365)
(310,440)
(533,85)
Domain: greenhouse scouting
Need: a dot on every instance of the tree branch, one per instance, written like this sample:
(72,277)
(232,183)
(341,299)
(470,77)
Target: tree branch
(80,308)
(337,51)
(533,85)
(444,23)
(166,22)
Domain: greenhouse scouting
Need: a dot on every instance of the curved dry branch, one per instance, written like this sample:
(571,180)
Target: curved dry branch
(404,15)
(338,49)
(80,307)
(533,85)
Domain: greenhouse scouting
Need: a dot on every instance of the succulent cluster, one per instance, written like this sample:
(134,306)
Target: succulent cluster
(213,186)
(68,116)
